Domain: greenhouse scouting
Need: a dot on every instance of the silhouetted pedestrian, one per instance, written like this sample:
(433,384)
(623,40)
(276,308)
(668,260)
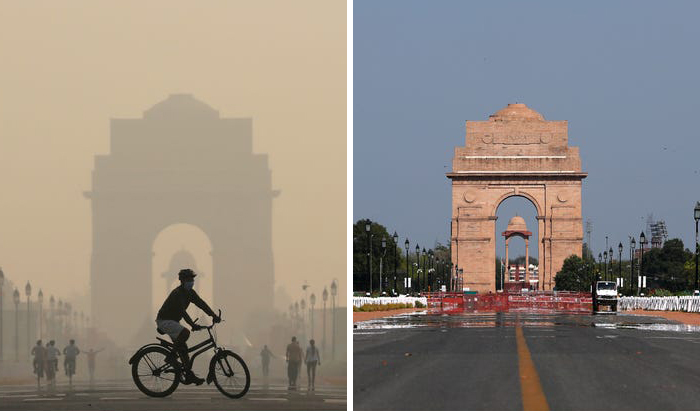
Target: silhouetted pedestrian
(312,359)
(265,355)
(91,354)
(70,352)
(39,353)
(293,355)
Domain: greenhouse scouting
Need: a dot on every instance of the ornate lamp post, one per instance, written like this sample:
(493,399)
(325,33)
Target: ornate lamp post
(334,292)
(52,325)
(28,292)
(418,266)
(696,215)
(323,340)
(633,245)
(2,282)
(381,266)
(610,253)
(302,305)
(59,329)
(15,298)
(312,300)
(425,270)
(396,261)
(368,228)
(619,262)
(406,244)
(605,266)
(40,299)
(642,241)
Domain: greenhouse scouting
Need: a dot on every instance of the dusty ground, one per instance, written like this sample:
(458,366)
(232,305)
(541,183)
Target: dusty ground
(681,317)
(360,316)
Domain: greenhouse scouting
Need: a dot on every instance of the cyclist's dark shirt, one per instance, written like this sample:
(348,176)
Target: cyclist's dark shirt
(177,302)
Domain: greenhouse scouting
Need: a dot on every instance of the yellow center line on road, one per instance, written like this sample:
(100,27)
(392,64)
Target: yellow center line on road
(530,387)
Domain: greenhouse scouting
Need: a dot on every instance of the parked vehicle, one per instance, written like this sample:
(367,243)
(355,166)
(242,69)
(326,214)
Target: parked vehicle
(605,296)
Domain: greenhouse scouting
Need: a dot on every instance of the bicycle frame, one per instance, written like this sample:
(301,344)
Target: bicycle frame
(198,349)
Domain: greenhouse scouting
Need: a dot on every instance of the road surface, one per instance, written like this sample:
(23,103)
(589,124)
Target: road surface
(526,360)
(124,396)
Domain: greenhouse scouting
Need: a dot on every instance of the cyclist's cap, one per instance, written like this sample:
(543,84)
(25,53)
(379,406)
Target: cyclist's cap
(186,274)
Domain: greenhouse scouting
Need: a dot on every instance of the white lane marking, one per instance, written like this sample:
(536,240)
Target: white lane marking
(606,336)
(266,399)
(117,398)
(42,399)
(335,401)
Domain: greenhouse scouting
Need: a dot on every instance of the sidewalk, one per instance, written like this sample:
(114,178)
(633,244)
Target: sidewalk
(358,316)
(680,316)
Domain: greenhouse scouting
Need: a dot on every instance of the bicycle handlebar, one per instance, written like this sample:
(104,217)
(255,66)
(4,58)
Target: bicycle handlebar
(207,327)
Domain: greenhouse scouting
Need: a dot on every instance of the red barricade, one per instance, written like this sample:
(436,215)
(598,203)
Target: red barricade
(565,301)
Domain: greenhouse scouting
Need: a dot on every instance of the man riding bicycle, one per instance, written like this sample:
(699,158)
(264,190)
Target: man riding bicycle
(70,352)
(173,310)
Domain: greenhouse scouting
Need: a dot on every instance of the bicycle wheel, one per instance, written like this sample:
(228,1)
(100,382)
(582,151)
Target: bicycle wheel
(153,375)
(231,375)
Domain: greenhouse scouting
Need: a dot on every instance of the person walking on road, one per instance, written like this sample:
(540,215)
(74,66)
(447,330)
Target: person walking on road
(91,354)
(265,355)
(39,353)
(312,359)
(70,353)
(293,355)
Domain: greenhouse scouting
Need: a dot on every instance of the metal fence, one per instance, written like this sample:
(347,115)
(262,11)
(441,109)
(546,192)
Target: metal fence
(360,301)
(685,303)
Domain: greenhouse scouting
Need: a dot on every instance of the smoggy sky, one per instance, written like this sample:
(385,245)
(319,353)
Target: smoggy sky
(68,67)
(624,74)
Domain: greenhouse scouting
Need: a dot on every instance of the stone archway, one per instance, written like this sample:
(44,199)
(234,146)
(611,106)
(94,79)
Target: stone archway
(516,152)
(180,163)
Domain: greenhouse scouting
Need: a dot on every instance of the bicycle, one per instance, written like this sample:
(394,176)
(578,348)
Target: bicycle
(69,367)
(157,372)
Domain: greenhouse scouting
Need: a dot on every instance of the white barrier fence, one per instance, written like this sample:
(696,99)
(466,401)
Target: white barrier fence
(360,301)
(685,303)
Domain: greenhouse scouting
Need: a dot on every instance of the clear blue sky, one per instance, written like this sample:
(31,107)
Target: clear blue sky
(626,75)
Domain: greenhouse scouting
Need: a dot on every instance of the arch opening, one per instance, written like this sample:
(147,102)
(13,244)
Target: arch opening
(517,243)
(175,247)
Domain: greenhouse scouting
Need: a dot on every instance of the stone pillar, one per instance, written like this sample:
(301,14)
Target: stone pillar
(507,263)
(527,259)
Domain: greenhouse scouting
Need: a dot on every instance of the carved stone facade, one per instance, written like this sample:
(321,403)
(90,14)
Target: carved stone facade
(516,152)
(180,163)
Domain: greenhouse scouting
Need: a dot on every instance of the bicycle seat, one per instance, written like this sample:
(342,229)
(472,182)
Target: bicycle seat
(161,332)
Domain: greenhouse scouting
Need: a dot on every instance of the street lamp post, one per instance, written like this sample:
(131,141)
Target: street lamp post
(52,325)
(610,253)
(425,271)
(381,266)
(28,292)
(15,297)
(334,292)
(396,261)
(642,241)
(408,273)
(2,282)
(418,267)
(633,245)
(368,228)
(40,299)
(619,262)
(312,300)
(324,296)
(696,215)
(605,266)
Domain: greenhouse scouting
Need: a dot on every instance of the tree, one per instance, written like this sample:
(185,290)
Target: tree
(388,257)
(667,267)
(575,275)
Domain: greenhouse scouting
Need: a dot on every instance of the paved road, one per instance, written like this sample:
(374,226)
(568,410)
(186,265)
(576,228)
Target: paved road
(572,362)
(124,396)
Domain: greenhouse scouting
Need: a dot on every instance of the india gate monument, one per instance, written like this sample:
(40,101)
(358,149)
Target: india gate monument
(516,152)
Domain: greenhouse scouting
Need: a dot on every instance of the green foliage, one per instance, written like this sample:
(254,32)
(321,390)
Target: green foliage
(419,304)
(391,256)
(575,275)
(380,307)
(668,267)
